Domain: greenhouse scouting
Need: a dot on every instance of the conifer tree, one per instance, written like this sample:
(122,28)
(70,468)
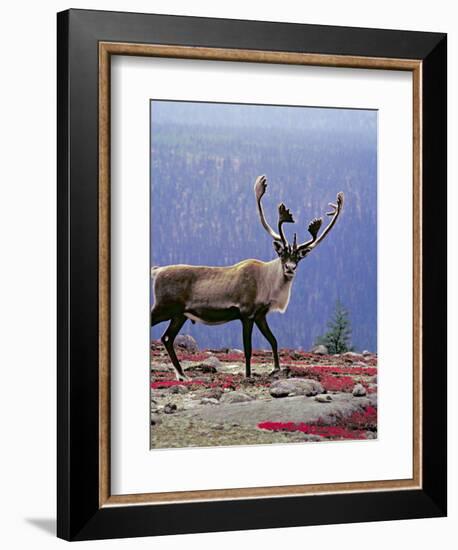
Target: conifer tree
(338,337)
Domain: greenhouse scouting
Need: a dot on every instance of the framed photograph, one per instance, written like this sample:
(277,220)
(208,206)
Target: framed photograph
(252,274)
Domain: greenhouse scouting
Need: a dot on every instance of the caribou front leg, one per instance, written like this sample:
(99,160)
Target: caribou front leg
(168,338)
(261,323)
(247,325)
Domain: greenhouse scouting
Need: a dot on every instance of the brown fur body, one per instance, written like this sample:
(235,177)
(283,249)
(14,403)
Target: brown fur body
(215,295)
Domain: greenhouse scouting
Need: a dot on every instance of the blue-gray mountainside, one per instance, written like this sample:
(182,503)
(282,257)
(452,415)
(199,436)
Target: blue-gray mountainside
(204,161)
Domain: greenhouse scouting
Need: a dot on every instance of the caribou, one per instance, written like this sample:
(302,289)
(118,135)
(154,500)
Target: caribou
(247,291)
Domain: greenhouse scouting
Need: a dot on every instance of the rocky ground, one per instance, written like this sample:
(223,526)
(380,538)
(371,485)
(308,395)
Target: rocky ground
(316,397)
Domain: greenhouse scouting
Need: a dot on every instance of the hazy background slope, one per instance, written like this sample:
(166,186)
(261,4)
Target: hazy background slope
(204,160)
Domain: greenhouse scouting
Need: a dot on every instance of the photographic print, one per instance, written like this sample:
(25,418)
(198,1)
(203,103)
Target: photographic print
(263,252)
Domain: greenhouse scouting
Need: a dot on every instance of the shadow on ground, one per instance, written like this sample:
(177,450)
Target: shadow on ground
(48,525)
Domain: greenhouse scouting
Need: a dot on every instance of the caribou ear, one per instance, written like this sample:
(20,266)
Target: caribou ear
(278,247)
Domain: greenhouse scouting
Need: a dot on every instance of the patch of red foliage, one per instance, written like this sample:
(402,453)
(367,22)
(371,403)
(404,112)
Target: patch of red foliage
(365,420)
(332,369)
(330,432)
(183,356)
(169,383)
(163,380)
(338,383)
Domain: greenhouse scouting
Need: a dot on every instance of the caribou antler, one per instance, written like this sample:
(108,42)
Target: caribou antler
(284,215)
(313,228)
(315,224)
(260,186)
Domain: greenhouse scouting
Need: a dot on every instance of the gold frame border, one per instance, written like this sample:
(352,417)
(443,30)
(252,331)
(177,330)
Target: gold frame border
(106,50)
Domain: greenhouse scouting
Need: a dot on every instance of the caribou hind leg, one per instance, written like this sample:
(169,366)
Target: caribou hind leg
(158,316)
(261,323)
(168,338)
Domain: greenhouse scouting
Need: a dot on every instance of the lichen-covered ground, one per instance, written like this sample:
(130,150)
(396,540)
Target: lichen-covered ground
(315,398)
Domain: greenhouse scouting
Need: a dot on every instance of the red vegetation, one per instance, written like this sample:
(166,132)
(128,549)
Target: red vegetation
(366,420)
(336,383)
(333,369)
(163,379)
(330,432)
(182,356)
(170,383)
(353,427)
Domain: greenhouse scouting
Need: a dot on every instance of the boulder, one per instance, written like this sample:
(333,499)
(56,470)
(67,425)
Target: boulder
(352,356)
(179,389)
(366,352)
(293,409)
(213,393)
(235,397)
(155,419)
(209,401)
(320,350)
(359,390)
(170,408)
(187,342)
(323,398)
(295,386)
(313,437)
(212,362)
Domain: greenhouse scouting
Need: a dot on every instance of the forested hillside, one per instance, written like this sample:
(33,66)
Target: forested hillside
(204,161)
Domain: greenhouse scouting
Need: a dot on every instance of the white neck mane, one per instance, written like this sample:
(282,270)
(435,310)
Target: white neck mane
(277,289)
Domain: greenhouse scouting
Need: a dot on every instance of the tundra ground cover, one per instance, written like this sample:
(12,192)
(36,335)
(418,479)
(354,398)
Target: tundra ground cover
(217,405)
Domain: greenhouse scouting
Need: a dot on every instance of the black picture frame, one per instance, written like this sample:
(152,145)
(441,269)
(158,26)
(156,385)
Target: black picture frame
(79,514)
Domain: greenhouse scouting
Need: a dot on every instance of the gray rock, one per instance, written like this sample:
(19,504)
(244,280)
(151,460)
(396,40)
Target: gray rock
(295,386)
(212,362)
(155,419)
(373,379)
(359,390)
(235,350)
(323,398)
(170,408)
(366,352)
(352,356)
(209,401)
(293,409)
(313,437)
(190,404)
(371,435)
(187,342)
(320,350)
(235,397)
(179,389)
(214,393)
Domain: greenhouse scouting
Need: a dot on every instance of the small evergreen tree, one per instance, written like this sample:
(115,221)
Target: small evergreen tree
(338,337)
